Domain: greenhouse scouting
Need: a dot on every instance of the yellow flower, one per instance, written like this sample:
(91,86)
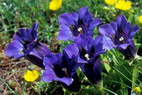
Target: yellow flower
(111,2)
(140,19)
(31,75)
(123,5)
(137,89)
(55,5)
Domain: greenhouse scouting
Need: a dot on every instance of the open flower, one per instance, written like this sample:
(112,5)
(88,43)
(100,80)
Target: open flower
(55,5)
(140,19)
(120,34)
(62,68)
(17,47)
(31,75)
(73,24)
(111,2)
(123,5)
(25,44)
(87,51)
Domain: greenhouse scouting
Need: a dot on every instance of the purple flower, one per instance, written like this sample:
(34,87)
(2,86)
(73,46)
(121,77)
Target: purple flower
(26,36)
(89,51)
(36,53)
(15,49)
(62,68)
(73,24)
(18,47)
(25,44)
(120,34)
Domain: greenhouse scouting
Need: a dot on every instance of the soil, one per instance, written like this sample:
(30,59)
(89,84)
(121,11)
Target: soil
(11,74)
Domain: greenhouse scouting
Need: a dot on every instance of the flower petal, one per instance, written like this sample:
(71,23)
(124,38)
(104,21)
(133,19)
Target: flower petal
(93,71)
(108,43)
(66,19)
(94,23)
(85,15)
(121,21)
(65,33)
(107,30)
(49,76)
(14,49)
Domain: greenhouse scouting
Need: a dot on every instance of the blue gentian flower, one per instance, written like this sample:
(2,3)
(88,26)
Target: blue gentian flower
(120,34)
(88,51)
(26,36)
(25,44)
(62,68)
(73,24)
(22,38)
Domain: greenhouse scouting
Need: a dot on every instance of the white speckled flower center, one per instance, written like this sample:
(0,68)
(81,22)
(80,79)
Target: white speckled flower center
(79,29)
(121,39)
(87,56)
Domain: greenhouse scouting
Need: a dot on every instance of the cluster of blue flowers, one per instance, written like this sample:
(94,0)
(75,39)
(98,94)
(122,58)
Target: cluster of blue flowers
(83,52)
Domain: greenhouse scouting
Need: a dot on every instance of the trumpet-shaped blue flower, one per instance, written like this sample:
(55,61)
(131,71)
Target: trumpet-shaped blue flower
(73,24)
(89,51)
(120,34)
(62,68)
(26,36)
(25,44)
(18,47)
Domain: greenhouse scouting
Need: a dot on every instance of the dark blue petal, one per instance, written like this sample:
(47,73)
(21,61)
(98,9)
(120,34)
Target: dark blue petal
(75,86)
(130,51)
(134,31)
(65,33)
(66,19)
(94,23)
(25,36)
(93,70)
(84,41)
(14,49)
(35,60)
(108,44)
(36,53)
(99,45)
(123,46)
(85,15)
(121,21)
(114,25)
(107,30)
(50,60)
(75,16)
(71,50)
(49,76)
(38,49)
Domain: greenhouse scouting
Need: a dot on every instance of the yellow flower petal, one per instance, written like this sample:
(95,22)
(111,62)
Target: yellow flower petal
(31,75)
(123,5)
(140,19)
(55,5)
(137,89)
(111,2)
